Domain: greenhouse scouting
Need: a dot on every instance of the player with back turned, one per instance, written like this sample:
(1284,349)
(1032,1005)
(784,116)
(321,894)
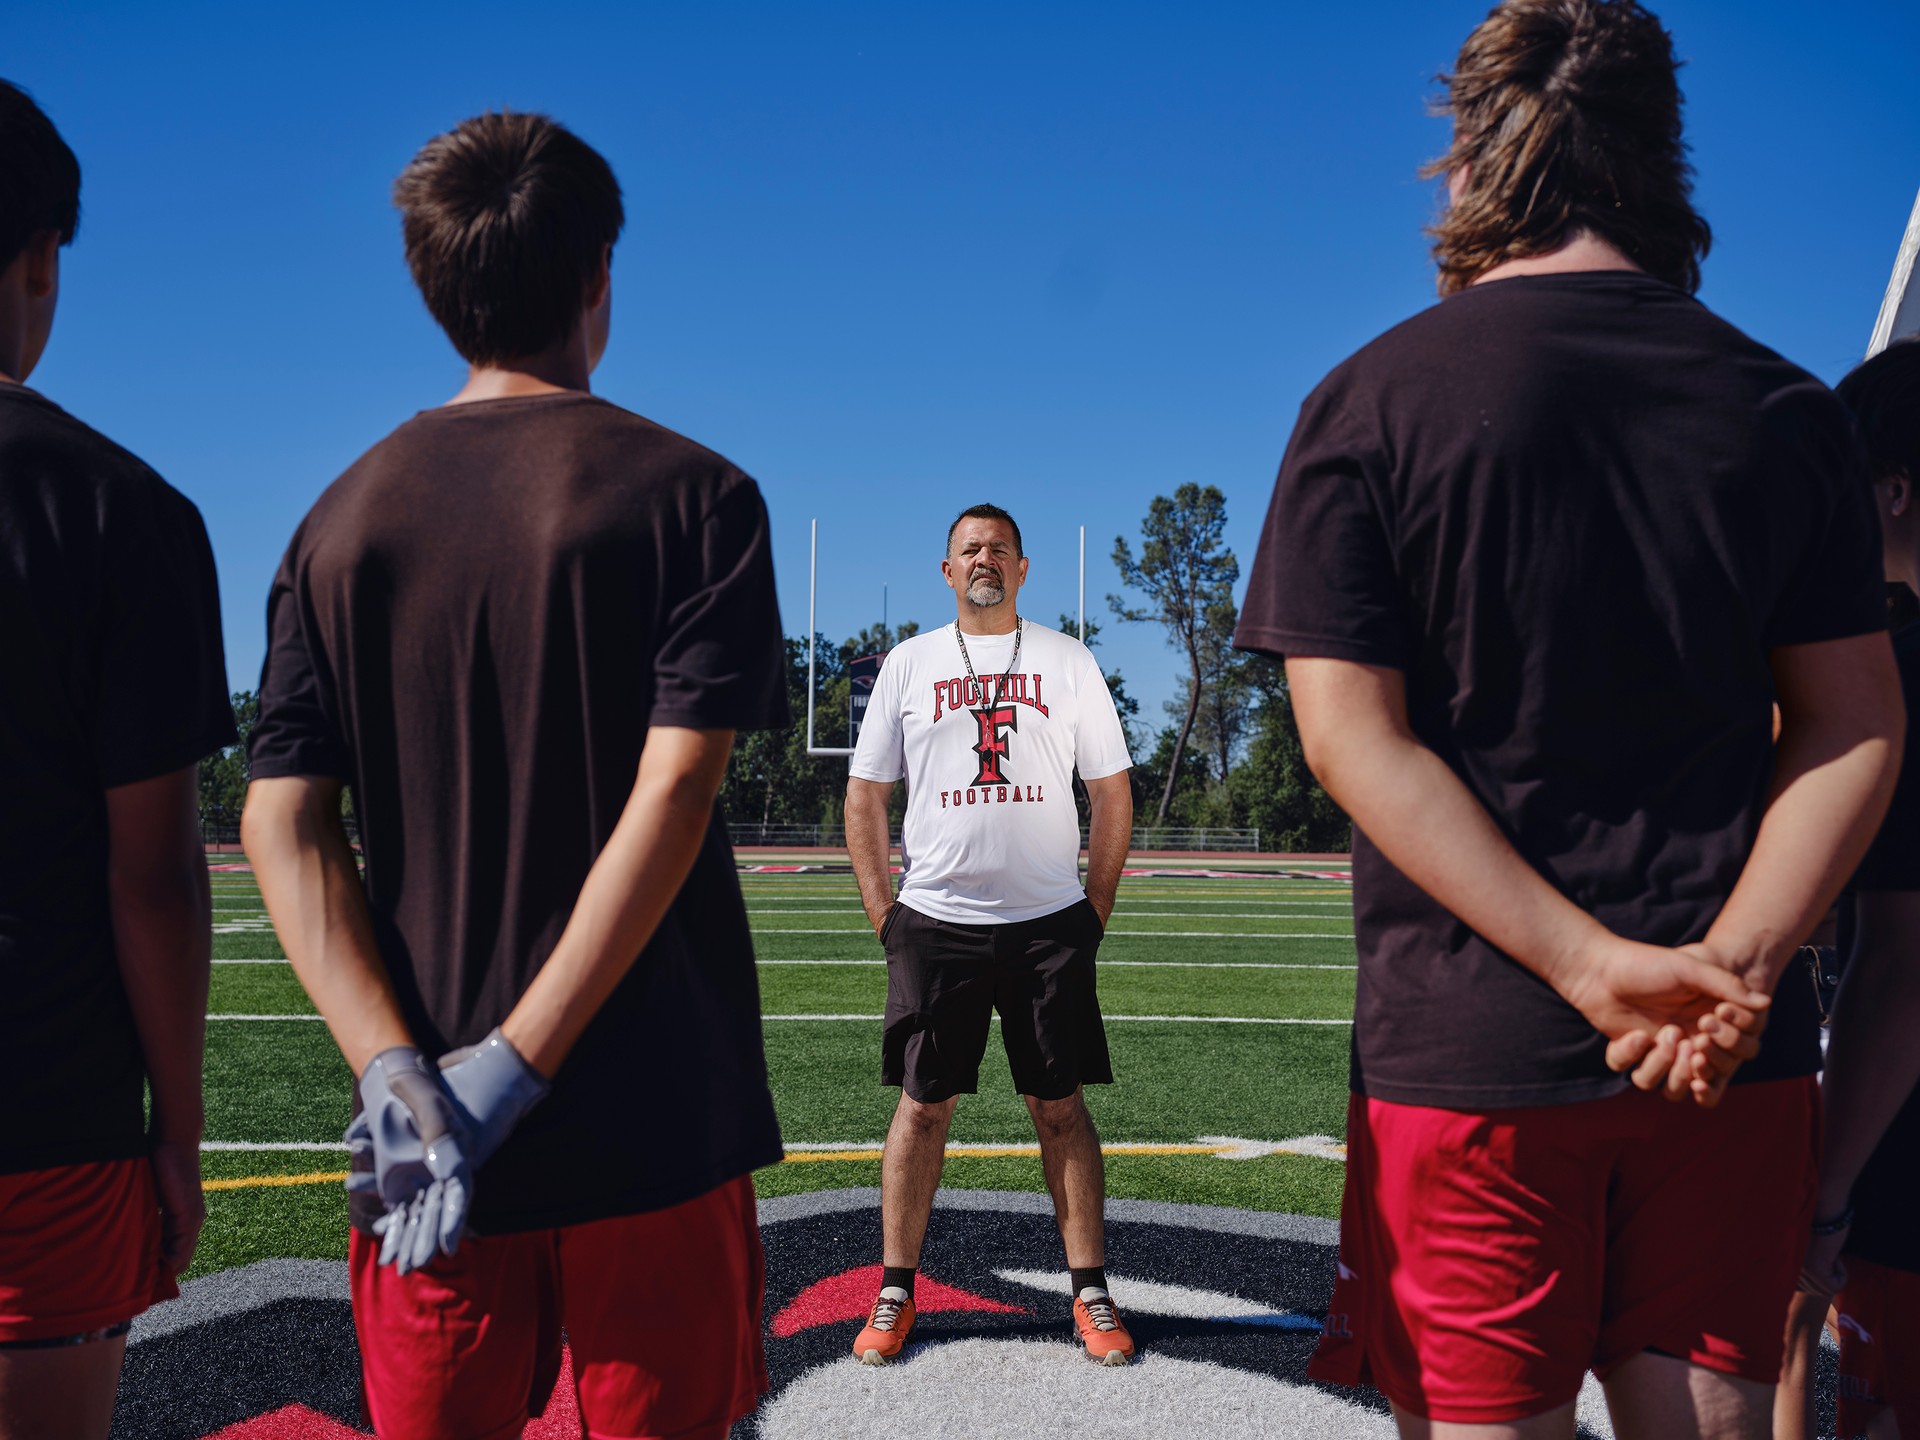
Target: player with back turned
(1541,560)
(115,687)
(1866,1243)
(523,628)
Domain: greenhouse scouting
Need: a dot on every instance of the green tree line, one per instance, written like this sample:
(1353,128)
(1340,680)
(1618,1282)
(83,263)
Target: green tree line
(1229,755)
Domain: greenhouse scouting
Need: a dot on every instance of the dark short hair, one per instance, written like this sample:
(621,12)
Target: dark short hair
(1566,115)
(39,176)
(506,217)
(1884,395)
(986,512)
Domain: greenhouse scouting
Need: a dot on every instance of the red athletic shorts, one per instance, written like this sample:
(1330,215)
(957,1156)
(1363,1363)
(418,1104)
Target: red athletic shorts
(661,1310)
(79,1250)
(1879,1327)
(1488,1260)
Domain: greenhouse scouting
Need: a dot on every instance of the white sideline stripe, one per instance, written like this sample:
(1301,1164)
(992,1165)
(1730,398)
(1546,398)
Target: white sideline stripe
(1142,934)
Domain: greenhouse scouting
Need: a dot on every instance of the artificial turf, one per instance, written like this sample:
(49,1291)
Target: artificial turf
(1204,948)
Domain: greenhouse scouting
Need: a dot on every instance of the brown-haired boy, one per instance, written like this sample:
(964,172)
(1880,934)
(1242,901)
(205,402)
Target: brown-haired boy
(524,628)
(115,687)
(1541,560)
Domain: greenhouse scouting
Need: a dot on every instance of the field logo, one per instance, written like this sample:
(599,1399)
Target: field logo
(1226,1306)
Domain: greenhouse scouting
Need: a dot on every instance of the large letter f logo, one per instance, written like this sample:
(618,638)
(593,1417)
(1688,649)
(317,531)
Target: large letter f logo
(992,749)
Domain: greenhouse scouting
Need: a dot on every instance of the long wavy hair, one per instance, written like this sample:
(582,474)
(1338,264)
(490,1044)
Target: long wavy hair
(1566,117)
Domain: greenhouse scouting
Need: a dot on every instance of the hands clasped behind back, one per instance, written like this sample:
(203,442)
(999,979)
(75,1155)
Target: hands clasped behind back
(1681,1020)
(429,1128)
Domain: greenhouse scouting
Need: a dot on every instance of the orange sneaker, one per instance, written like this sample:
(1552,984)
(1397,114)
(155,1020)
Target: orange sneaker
(1101,1332)
(886,1329)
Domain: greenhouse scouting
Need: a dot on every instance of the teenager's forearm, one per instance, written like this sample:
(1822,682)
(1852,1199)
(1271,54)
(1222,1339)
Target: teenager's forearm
(310,881)
(1873,1058)
(1109,835)
(161,910)
(1830,791)
(1842,726)
(867,843)
(628,890)
(163,950)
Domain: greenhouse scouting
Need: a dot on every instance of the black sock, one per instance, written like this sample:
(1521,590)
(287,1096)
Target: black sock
(898,1277)
(1093,1275)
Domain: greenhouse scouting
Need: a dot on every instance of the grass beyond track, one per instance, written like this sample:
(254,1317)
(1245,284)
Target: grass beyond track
(1227,1001)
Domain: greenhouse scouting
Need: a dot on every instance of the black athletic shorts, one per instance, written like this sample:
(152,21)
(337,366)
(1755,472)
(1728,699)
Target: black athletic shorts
(944,981)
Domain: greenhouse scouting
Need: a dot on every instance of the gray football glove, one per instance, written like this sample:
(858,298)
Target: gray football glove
(420,1146)
(493,1086)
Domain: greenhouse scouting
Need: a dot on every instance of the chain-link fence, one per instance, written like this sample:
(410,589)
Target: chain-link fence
(1145,837)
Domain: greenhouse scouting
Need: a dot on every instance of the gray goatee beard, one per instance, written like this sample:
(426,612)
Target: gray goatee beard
(986,591)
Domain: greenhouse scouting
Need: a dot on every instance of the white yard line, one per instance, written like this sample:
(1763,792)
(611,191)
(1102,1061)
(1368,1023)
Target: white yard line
(339,1145)
(265,1017)
(1111,934)
(1103,964)
(1143,915)
(1110,964)
(1224,1147)
(1129,1019)
(835,904)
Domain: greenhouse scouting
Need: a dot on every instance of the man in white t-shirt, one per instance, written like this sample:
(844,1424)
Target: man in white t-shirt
(987,720)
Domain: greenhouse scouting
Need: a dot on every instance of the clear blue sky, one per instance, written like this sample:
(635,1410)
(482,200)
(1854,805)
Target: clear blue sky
(891,259)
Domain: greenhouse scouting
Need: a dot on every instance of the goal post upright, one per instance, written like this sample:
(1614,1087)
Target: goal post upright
(1900,310)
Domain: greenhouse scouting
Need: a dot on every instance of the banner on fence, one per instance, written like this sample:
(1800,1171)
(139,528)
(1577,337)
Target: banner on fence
(863,672)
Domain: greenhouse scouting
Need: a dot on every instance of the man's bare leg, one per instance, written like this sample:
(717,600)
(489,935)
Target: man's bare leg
(910,1175)
(1076,1176)
(1554,1425)
(60,1394)
(1657,1397)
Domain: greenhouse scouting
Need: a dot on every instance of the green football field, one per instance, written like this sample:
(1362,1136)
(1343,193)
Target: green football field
(1227,1003)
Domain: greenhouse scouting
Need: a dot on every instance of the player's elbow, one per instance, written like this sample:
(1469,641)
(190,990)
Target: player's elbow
(1331,752)
(865,798)
(284,812)
(262,825)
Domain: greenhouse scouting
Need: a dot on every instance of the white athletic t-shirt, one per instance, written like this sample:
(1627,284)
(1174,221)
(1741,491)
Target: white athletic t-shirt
(991,833)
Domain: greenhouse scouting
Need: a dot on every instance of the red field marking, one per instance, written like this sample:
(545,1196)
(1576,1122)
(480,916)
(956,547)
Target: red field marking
(848,1295)
(291,1422)
(297,1422)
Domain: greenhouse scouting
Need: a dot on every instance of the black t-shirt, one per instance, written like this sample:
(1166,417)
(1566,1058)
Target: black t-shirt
(1577,511)
(110,615)
(1884,1226)
(475,627)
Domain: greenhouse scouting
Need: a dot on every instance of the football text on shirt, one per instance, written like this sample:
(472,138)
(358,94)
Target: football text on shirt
(963,691)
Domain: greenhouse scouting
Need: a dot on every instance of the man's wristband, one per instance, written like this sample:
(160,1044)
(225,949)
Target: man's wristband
(1833,1224)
